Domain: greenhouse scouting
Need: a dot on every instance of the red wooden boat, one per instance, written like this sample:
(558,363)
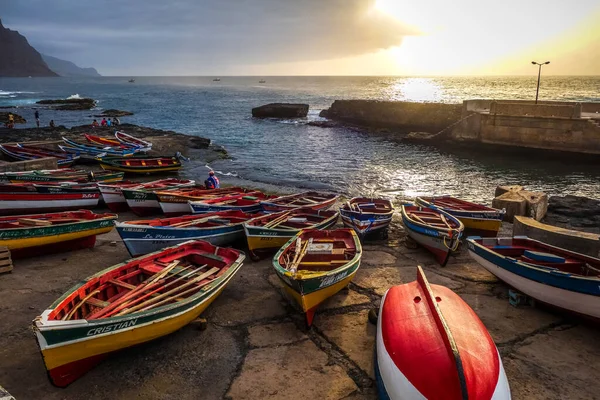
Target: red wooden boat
(141,165)
(314,200)
(133,141)
(55,200)
(174,202)
(113,193)
(431,345)
(106,141)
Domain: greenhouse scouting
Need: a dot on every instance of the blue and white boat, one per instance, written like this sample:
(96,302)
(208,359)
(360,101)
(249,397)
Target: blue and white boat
(146,236)
(549,274)
(367,215)
(434,229)
(97,150)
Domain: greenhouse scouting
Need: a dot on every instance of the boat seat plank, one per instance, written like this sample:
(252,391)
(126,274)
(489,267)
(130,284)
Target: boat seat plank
(122,284)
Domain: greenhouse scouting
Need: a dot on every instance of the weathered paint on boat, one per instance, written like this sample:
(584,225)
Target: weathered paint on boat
(311,289)
(362,220)
(546,283)
(431,345)
(33,240)
(34,202)
(480,220)
(439,241)
(71,348)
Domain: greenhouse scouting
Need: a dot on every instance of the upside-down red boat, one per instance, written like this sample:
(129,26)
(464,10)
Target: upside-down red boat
(431,345)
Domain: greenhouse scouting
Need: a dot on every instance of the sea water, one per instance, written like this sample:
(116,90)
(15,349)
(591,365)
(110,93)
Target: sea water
(291,155)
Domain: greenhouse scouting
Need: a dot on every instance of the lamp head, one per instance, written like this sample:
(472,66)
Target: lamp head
(533,62)
(547,62)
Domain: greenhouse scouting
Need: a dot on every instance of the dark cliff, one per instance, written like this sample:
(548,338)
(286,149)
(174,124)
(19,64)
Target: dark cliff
(18,58)
(400,116)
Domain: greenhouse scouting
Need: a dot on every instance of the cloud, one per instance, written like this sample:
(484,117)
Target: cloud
(155,35)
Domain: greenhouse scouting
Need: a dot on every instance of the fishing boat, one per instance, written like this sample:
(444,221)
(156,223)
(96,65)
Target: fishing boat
(143,200)
(248,203)
(113,196)
(141,165)
(434,229)
(48,200)
(20,153)
(314,200)
(269,232)
(478,219)
(131,303)
(61,175)
(141,144)
(97,150)
(35,234)
(145,236)
(431,345)
(316,264)
(551,275)
(367,215)
(174,202)
(106,141)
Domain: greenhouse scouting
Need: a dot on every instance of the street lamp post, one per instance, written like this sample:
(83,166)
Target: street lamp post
(537,92)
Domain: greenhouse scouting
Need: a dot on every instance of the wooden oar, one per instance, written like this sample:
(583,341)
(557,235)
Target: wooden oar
(176,296)
(445,221)
(70,314)
(143,286)
(276,220)
(416,217)
(296,253)
(205,275)
(296,262)
(193,222)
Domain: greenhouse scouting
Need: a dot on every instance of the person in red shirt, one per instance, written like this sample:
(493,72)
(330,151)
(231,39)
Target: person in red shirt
(103,122)
(212,182)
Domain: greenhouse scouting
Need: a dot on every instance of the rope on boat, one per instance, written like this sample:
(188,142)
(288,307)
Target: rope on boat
(454,247)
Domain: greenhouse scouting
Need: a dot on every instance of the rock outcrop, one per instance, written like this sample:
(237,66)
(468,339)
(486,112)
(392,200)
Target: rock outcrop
(69,104)
(574,212)
(280,110)
(18,58)
(67,68)
(399,116)
(113,113)
(17,118)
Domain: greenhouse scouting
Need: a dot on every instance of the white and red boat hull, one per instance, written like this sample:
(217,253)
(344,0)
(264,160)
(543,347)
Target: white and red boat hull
(30,203)
(431,345)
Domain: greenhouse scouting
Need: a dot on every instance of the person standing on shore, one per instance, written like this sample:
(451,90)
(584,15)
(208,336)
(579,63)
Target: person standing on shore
(212,182)
(52,125)
(37,118)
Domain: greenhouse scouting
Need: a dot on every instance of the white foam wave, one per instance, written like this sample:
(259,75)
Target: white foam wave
(234,174)
(74,96)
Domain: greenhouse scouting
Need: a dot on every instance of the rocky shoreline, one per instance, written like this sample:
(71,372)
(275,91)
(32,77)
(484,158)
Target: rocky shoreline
(163,142)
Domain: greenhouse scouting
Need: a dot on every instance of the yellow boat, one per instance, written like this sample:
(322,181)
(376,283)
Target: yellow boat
(131,303)
(314,265)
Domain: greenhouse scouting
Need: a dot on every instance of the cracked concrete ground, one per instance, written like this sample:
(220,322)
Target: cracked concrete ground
(256,345)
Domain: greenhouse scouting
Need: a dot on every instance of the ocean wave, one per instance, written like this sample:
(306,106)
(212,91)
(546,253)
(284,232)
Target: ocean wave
(234,174)
(74,96)
(13,94)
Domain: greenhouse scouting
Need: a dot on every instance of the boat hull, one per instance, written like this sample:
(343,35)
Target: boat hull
(142,203)
(70,348)
(133,170)
(174,209)
(414,359)
(533,284)
(366,223)
(15,203)
(143,239)
(203,208)
(261,239)
(435,244)
(69,361)
(114,199)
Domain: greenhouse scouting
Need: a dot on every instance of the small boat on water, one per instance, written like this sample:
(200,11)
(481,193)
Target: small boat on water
(431,345)
(262,81)
(131,303)
(434,229)
(248,203)
(367,215)
(478,219)
(145,236)
(129,140)
(48,199)
(558,277)
(314,200)
(141,165)
(217,80)
(131,81)
(143,200)
(20,153)
(316,264)
(35,234)
(174,202)
(269,232)
(61,175)
(107,142)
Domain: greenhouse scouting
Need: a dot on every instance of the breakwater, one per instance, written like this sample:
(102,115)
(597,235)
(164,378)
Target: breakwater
(556,126)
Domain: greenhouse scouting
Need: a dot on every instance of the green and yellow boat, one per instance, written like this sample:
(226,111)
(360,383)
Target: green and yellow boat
(267,233)
(316,264)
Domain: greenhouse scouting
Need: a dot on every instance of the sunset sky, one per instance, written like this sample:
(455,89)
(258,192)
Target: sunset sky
(314,37)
